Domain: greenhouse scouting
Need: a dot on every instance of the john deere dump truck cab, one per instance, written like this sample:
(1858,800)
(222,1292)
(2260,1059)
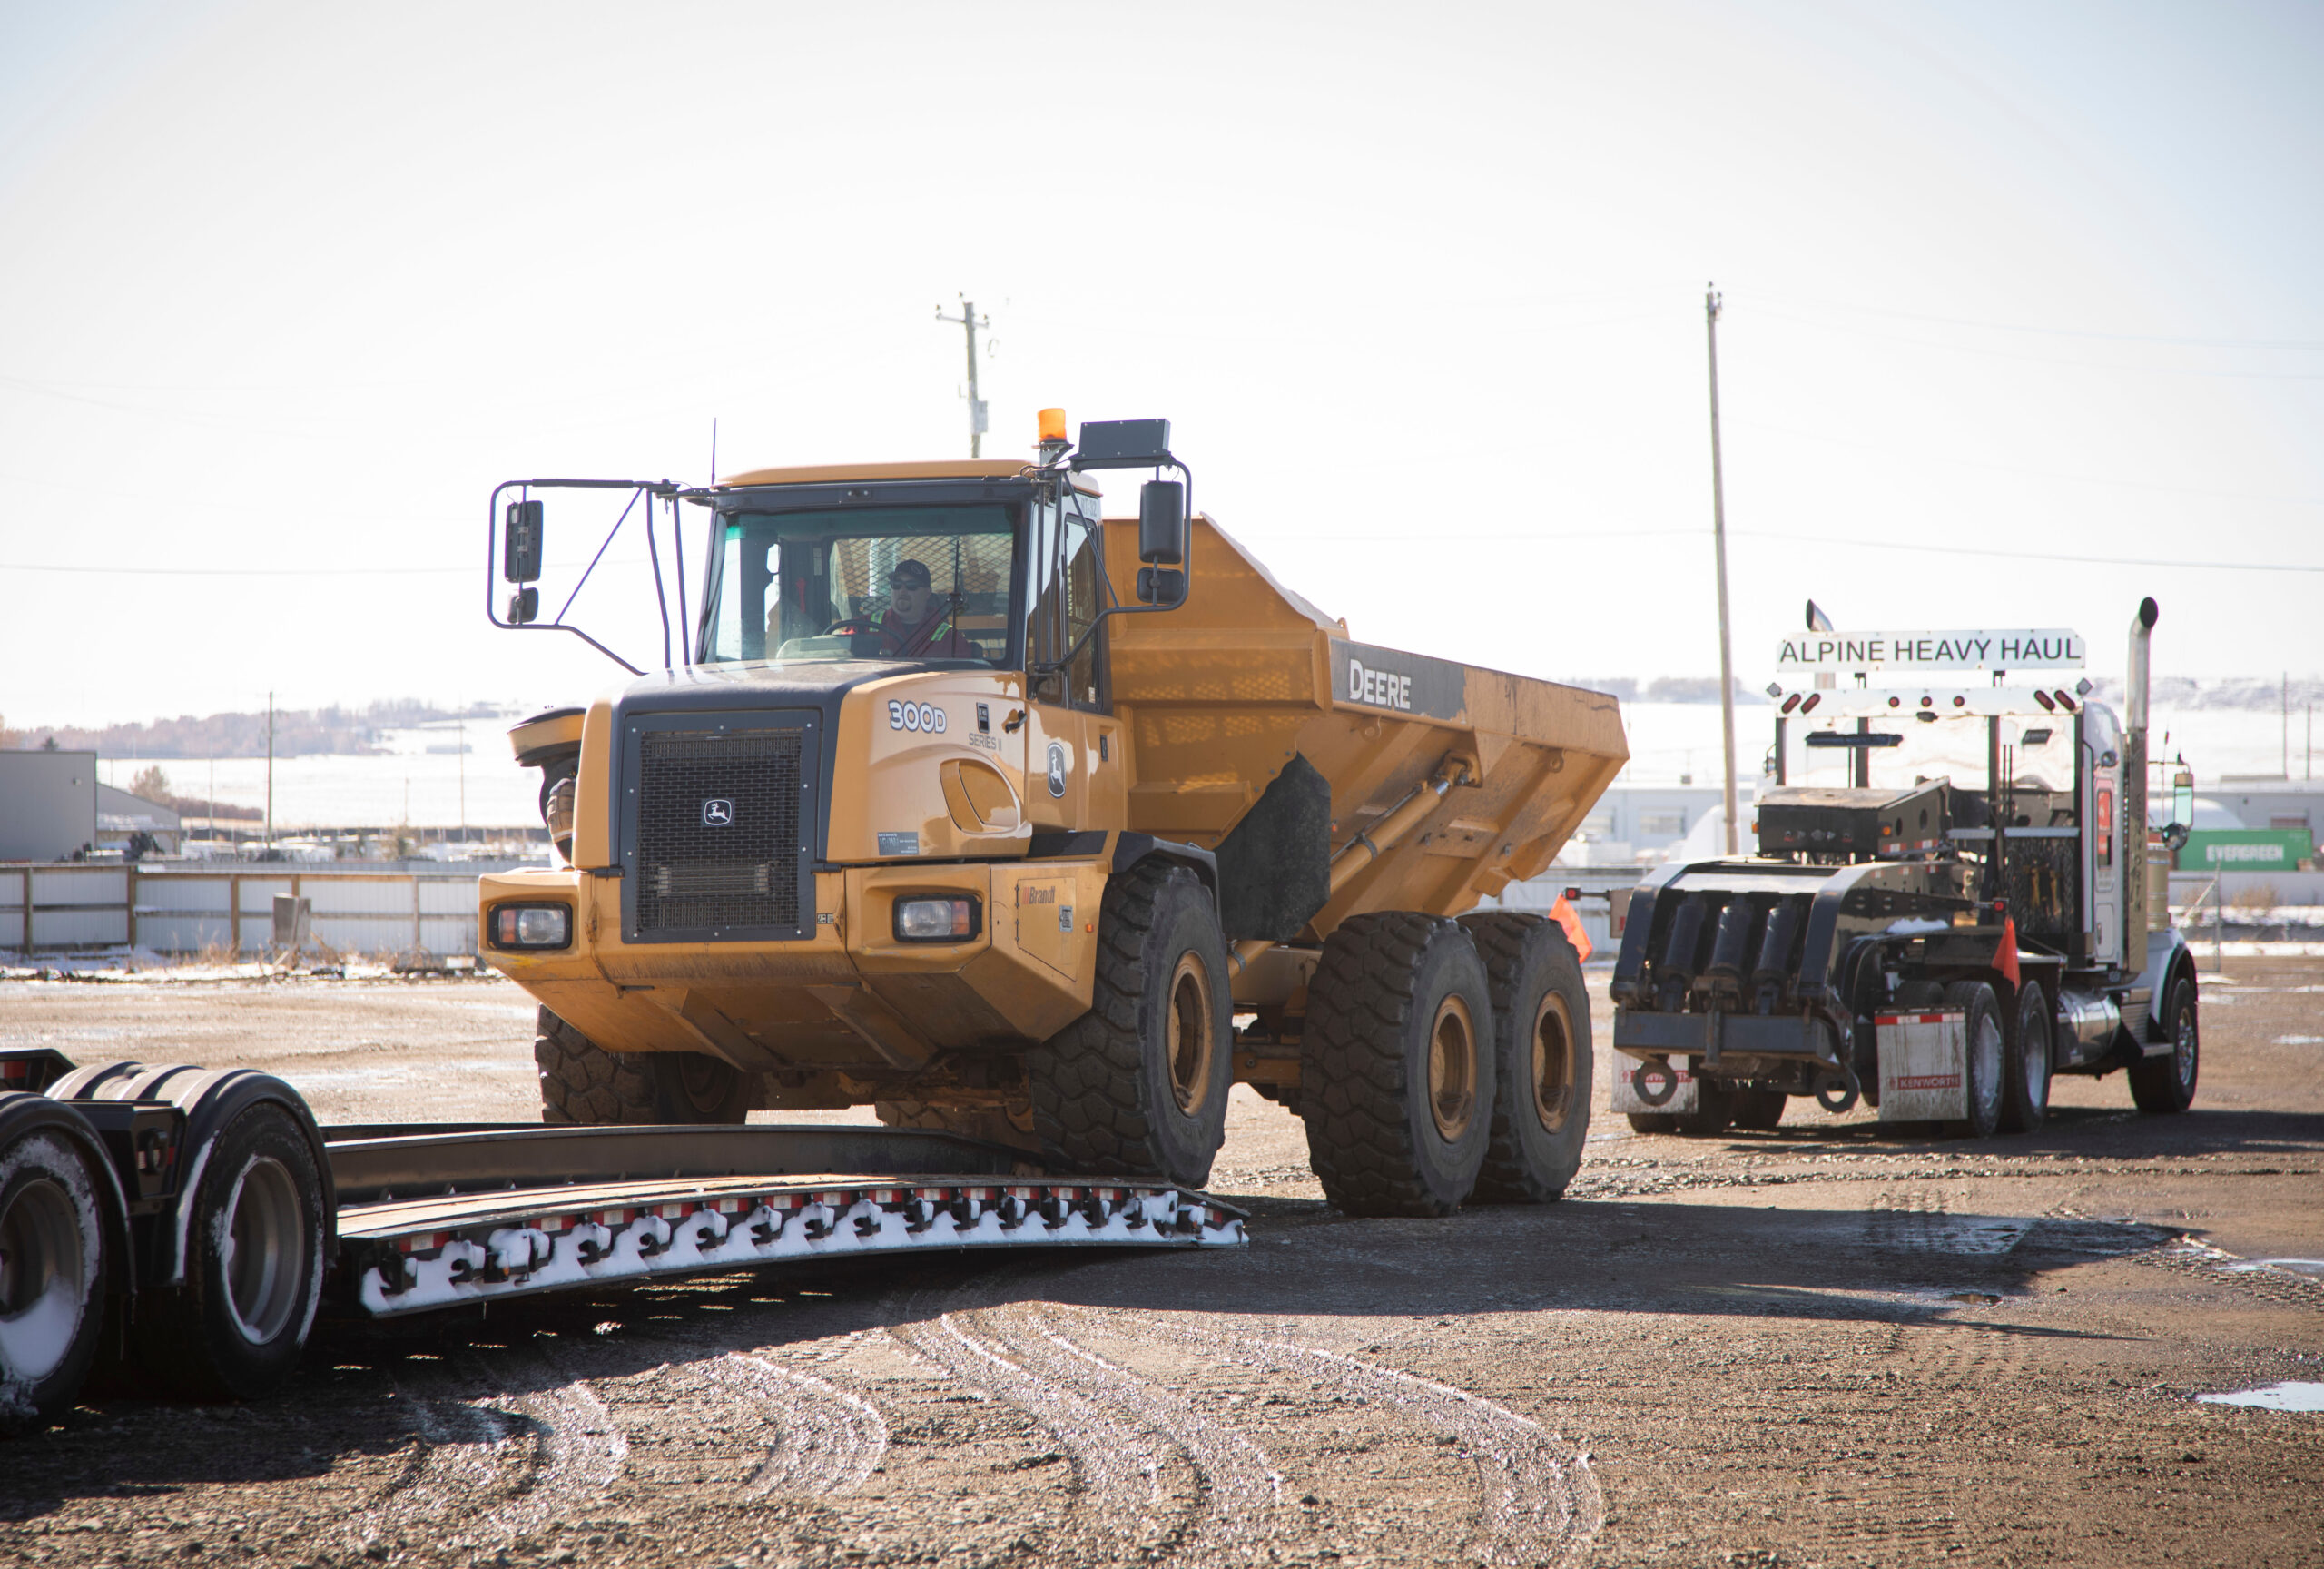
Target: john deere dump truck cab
(963,801)
(1950,902)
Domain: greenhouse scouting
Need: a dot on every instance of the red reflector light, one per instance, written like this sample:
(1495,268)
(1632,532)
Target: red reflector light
(2065,702)
(1895,702)
(1791,703)
(2043,699)
(1960,702)
(1813,698)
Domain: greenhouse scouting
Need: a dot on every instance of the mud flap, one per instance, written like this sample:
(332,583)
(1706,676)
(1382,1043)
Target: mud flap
(1625,1100)
(1924,1066)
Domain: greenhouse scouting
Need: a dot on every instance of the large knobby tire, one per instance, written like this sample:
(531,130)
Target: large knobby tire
(1542,1067)
(1984,1061)
(2162,1086)
(2025,1068)
(1714,1111)
(1011,1124)
(254,1266)
(585,1084)
(1396,1081)
(53,1277)
(1137,1086)
(1759,1110)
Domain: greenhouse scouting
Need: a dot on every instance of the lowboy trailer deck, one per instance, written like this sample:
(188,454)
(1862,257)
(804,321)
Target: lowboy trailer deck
(183,1228)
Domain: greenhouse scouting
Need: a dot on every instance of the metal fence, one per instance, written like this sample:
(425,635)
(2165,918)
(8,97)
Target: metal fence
(229,910)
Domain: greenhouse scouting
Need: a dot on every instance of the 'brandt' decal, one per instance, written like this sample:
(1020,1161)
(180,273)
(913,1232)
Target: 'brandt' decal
(1397,682)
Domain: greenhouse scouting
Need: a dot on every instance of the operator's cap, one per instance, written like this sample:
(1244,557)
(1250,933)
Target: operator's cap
(909,574)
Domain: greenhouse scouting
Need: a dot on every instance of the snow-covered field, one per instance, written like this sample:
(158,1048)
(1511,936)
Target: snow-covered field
(426,788)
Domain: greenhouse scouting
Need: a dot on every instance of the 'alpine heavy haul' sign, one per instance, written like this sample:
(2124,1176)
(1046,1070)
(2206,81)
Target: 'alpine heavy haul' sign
(2052,649)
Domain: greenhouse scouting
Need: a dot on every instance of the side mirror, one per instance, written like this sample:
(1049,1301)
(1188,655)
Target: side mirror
(2174,836)
(523,606)
(1162,523)
(520,543)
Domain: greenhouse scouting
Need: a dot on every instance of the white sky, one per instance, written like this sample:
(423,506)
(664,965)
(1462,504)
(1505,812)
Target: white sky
(288,288)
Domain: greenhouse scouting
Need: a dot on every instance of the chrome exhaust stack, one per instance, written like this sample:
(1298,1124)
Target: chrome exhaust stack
(2132,823)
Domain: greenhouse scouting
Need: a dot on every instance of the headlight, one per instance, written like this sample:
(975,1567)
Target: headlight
(936,920)
(532,926)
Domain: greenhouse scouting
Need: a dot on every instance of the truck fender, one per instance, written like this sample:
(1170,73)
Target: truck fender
(24,1114)
(211,1100)
(1129,849)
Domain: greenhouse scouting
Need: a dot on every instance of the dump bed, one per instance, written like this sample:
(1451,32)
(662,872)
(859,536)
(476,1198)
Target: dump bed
(1221,694)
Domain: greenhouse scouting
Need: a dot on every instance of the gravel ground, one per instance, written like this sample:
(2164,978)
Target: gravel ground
(1821,1346)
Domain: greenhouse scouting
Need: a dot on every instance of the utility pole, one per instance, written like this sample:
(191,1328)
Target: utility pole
(1718,538)
(972,324)
(269,770)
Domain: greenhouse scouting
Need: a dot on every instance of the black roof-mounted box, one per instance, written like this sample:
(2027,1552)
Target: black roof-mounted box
(1124,444)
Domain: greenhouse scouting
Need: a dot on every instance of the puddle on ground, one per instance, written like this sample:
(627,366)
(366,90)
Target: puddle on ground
(2299,1040)
(2313,1268)
(2285,1396)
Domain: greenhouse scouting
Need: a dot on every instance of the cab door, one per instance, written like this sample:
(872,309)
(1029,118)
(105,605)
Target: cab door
(1075,777)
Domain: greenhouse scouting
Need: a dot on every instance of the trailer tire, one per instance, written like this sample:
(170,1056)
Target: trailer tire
(253,1266)
(1759,1110)
(2026,1088)
(1011,1124)
(1396,1081)
(2164,1086)
(56,1270)
(1138,1085)
(1653,1121)
(693,1087)
(1542,1069)
(584,1085)
(1984,1059)
(1714,1111)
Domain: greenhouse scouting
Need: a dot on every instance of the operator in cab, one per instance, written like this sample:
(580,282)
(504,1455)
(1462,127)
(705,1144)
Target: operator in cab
(916,625)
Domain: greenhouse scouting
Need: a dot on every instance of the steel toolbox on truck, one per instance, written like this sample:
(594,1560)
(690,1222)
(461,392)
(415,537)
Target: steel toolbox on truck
(961,799)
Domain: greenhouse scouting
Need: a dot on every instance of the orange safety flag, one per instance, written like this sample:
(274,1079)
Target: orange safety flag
(1564,914)
(2005,956)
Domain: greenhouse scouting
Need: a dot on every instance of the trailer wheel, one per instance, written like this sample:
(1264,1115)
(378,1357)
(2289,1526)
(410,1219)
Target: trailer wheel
(695,1087)
(1714,1111)
(1653,1121)
(1138,1084)
(585,1084)
(1011,1124)
(53,1277)
(1984,1062)
(1396,1077)
(1759,1110)
(254,1266)
(2162,1086)
(1541,1050)
(2025,1093)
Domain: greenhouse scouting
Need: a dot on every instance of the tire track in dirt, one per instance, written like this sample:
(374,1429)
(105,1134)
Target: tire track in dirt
(1122,1505)
(1539,1503)
(1235,1518)
(823,1439)
(491,1466)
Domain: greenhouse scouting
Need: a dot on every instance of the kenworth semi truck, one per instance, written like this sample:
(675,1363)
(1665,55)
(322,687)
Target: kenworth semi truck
(959,798)
(1950,902)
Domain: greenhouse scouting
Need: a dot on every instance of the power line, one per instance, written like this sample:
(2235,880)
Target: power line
(2046,359)
(2291,344)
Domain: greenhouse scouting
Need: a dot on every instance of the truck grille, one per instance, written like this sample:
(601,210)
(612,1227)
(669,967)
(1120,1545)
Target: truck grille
(718,829)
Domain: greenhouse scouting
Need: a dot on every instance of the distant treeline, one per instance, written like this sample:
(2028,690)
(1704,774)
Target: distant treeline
(298,732)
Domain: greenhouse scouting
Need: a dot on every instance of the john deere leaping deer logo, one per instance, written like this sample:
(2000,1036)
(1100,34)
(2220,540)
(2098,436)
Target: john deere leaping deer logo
(717,814)
(1056,768)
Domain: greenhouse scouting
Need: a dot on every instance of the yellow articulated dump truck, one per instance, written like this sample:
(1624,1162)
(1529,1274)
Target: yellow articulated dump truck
(1023,823)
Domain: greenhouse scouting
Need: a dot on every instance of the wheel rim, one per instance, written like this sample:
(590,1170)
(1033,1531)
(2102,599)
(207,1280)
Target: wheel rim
(1552,1063)
(1452,1069)
(1985,1064)
(703,1079)
(43,1280)
(261,1240)
(2034,1044)
(2182,1047)
(1193,1043)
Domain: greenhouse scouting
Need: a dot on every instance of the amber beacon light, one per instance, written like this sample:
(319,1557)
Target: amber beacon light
(1052,425)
